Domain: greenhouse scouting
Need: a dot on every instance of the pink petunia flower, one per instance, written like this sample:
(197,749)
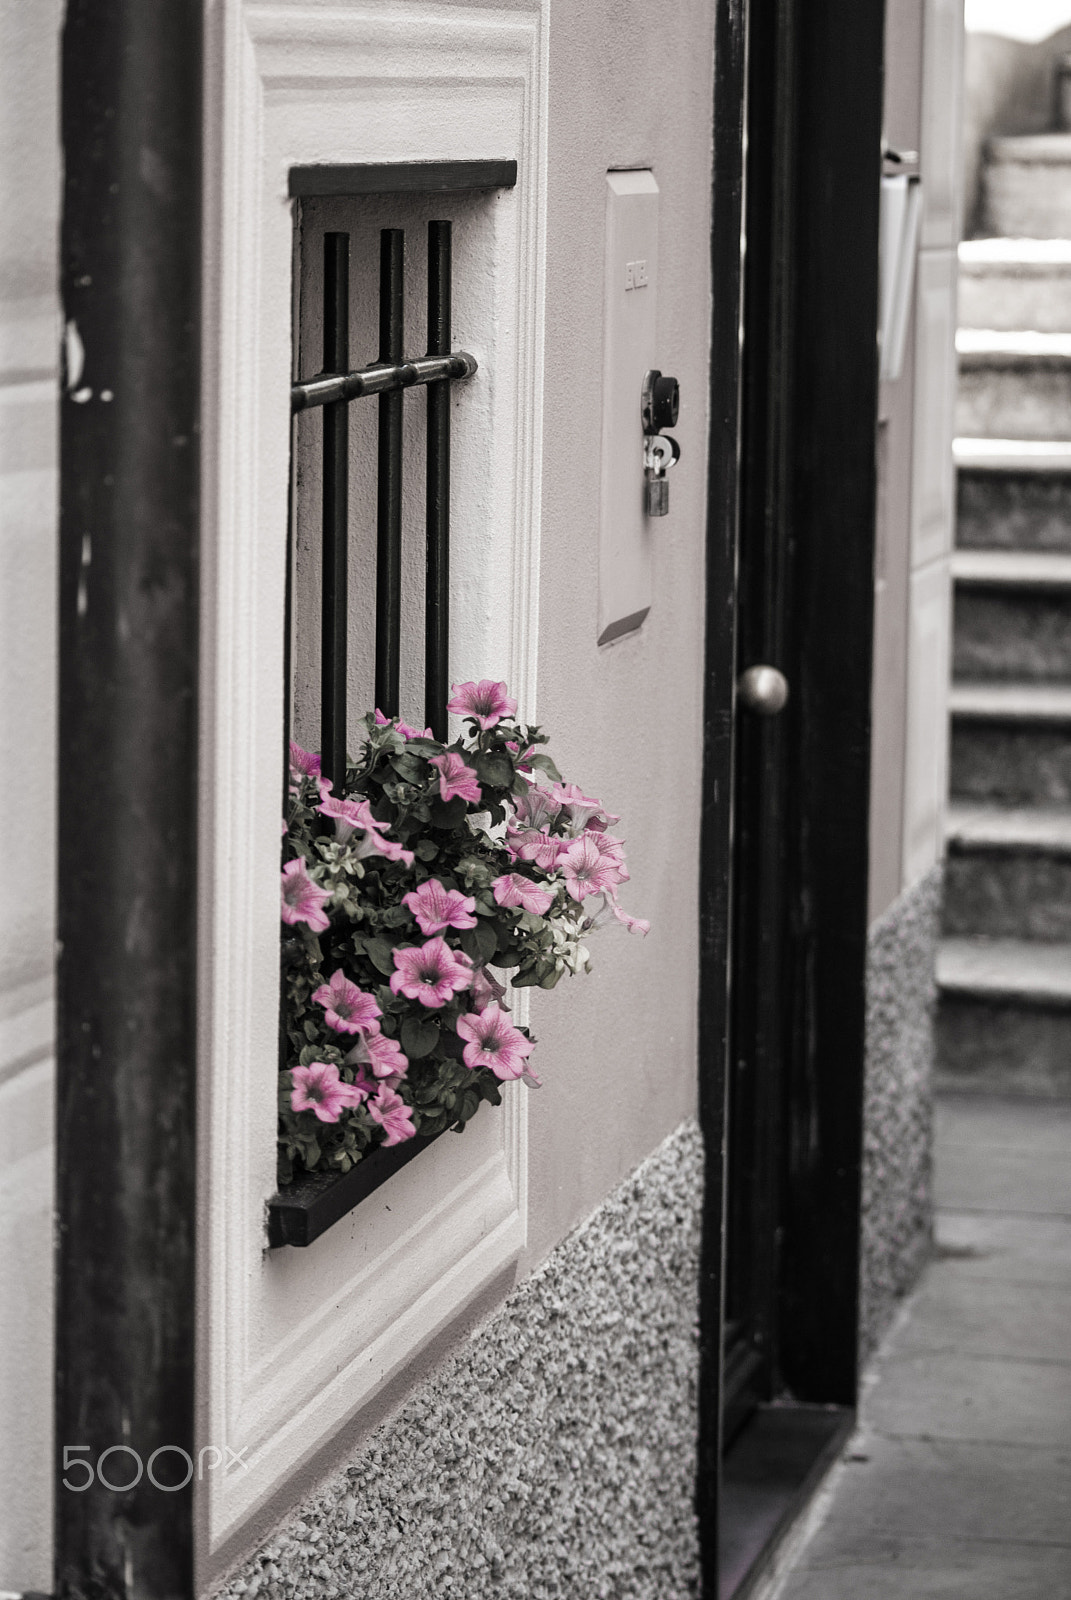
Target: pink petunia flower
(383,1055)
(431,973)
(514,889)
(633,924)
(487,701)
(582,811)
(348,1009)
(493,1042)
(348,815)
(612,852)
(319,1088)
(303,763)
(533,844)
(303,900)
(403,727)
(393,1115)
(436,908)
(537,809)
(607,906)
(487,990)
(353,815)
(587,870)
(455,777)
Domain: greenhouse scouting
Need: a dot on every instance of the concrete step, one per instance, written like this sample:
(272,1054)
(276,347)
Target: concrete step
(1008,873)
(1026,187)
(1015,283)
(1011,743)
(1013,385)
(1013,494)
(1004,1017)
(1012,613)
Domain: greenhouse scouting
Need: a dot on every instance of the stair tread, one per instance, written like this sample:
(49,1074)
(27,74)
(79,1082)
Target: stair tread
(983,255)
(1018,969)
(1033,569)
(978,347)
(1027,828)
(1046,149)
(1027,702)
(1012,455)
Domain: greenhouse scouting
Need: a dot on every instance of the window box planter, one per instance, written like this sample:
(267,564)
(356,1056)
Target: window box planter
(314,1202)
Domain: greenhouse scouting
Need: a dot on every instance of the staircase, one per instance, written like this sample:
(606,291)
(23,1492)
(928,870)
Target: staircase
(1004,967)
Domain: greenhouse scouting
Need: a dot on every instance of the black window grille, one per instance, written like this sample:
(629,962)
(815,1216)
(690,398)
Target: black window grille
(334,389)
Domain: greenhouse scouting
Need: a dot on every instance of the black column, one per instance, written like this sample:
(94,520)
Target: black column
(127,794)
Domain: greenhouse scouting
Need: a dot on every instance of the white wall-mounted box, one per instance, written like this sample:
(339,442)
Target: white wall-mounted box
(629,350)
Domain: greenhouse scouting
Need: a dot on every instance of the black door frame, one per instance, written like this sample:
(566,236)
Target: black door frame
(808,493)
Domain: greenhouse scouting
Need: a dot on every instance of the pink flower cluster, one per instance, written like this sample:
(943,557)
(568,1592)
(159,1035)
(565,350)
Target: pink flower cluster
(319,1088)
(554,857)
(564,833)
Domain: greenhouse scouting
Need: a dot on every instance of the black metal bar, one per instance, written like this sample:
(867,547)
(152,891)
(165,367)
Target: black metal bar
(380,379)
(335,515)
(402,177)
(389,522)
(437,581)
(127,791)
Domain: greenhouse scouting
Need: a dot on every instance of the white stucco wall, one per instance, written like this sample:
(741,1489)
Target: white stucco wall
(570,96)
(29,213)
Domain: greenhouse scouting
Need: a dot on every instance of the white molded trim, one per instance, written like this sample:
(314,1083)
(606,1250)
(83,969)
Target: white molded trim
(296,1342)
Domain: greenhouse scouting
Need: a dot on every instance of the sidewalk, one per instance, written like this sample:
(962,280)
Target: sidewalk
(958,1482)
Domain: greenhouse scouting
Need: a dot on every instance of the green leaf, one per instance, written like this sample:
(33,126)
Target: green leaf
(381,955)
(448,814)
(426,850)
(495,769)
(542,760)
(485,935)
(409,768)
(419,1038)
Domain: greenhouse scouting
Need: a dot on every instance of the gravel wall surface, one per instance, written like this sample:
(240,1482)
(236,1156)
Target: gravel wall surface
(554,1454)
(897,1153)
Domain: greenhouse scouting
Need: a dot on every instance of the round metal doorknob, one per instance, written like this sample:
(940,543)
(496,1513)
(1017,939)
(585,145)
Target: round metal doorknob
(763,690)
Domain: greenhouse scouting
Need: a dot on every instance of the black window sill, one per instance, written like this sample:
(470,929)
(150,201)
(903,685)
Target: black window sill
(310,1205)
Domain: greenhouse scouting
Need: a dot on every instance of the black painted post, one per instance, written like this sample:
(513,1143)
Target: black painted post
(437,580)
(127,798)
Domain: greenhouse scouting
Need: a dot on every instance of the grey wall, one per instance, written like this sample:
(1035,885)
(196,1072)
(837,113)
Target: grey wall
(553,1454)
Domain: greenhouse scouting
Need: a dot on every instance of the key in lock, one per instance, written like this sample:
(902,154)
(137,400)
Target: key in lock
(660,452)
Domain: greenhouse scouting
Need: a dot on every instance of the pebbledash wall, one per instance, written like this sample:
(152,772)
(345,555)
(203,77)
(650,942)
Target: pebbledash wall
(553,1454)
